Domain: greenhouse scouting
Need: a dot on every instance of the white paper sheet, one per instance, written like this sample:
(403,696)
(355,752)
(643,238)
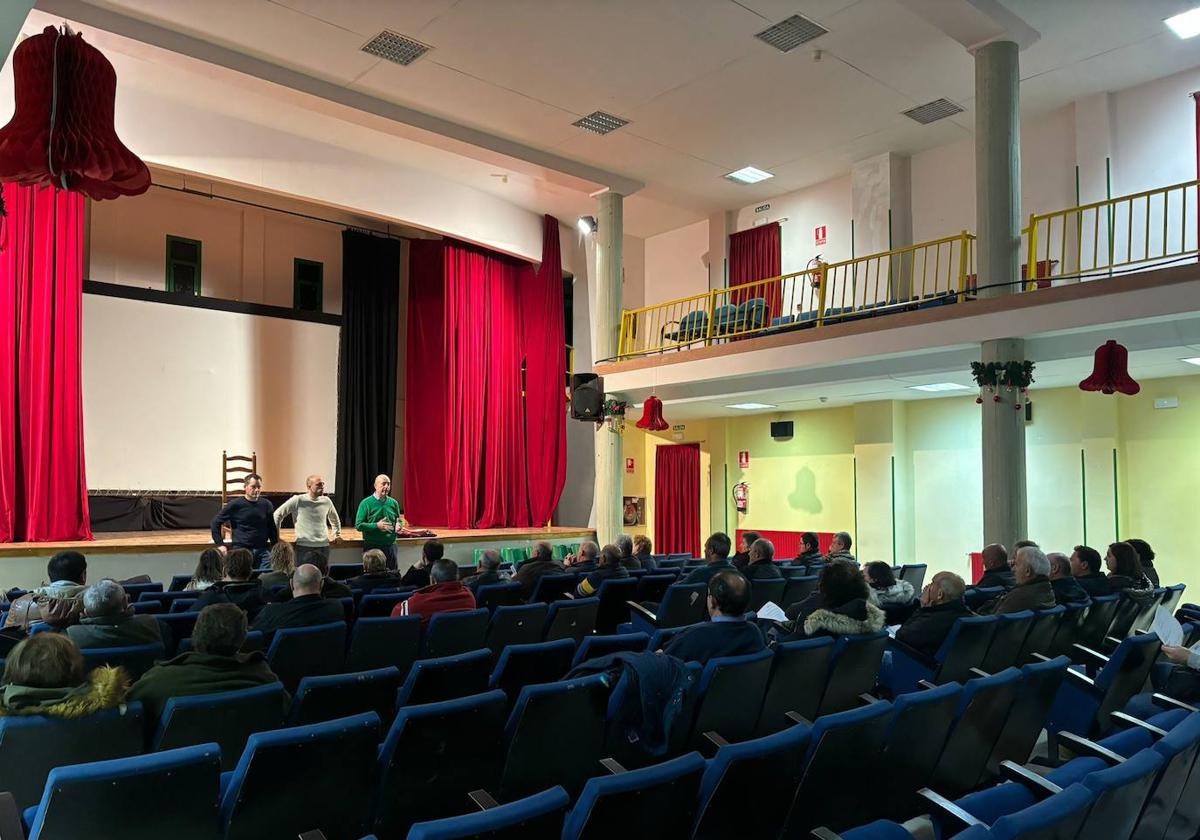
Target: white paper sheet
(772,611)
(1168,629)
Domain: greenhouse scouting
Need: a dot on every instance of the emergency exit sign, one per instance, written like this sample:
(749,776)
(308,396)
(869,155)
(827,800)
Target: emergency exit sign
(820,235)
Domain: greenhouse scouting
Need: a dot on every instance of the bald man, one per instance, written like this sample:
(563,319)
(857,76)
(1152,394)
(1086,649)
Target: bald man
(314,516)
(378,518)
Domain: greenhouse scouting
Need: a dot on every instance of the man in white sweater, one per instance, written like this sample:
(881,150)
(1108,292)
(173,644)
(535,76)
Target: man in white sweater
(313,512)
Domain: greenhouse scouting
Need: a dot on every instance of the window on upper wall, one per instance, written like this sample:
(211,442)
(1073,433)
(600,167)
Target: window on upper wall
(308,285)
(183,265)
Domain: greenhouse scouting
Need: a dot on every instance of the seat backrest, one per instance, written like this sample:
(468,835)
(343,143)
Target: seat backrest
(33,745)
(182,605)
(380,642)
(174,627)
(1125,673)
(173,794)
(916,735)
(343,695)
(227,718)
(762,591)
(674,561)
(136,659)
(853,669)
(262,798)
(1099,618)
(1178,750)
(1042,631)
(1124,618)
(450,633)
(1066,629)
(530,664)
(433,756)
(492,595)
(135,590)
(445,678)
(977,596)
(378,604)
(799,672)
(659,800)
(552,587)
(731,695)
(653,587)
(571,619)
(516,625)
(1121,793)
(1173,596)
(982,711)
(298,652)
(914,573)
(683,604)
(555,735)
(964,648)
(1027,717)
(1059,816)
(798,588)
(594,647)
(1011,631)
(539,815)
(613,594)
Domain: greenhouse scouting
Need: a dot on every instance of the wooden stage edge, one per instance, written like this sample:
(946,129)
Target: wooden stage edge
(148,542)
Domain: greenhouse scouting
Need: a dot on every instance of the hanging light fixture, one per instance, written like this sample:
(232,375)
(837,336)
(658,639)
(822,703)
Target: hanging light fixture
(1110,371)
(652,418)
(62,131)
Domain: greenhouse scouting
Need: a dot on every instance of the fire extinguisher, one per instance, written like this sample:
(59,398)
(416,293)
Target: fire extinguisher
(741,496)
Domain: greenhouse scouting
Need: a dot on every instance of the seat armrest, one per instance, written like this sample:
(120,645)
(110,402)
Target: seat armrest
(482,800)
(1041,657)
(979,672)
(1130,720)
(1084,747)
(925,684)
(568,596)
(1113,640)
(825,834)
(315,834)
(1083,679)
(917,656)
(944,807)
(1095,655)
(796,717)
(1166,702)
(1039,786)
(642,611)
(612,766)
(869,699)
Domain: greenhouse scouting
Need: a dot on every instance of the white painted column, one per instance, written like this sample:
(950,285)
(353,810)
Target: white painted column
(881,209)
(606,329)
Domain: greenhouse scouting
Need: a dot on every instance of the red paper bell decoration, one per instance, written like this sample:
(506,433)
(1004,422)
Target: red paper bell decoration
(62,130)
(1110,373)
(652,418)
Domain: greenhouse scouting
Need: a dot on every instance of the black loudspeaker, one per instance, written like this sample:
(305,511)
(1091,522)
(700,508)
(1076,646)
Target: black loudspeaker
(587,396)
(781,429)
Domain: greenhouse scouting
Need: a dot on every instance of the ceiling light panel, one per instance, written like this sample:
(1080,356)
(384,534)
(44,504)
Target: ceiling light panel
(394,47)
(791,33)
(749,175)
(937,387)
(750,406)
(598,122)
(1186,24)
(933,111)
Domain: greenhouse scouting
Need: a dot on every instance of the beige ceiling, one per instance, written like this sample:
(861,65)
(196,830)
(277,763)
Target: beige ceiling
(702,94)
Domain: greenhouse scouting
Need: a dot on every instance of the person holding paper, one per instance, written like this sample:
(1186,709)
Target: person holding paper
(1177,677)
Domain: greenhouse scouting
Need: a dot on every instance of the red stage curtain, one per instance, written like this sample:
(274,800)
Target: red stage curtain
(425,388)
(677,499)
(754,255)
(43,487)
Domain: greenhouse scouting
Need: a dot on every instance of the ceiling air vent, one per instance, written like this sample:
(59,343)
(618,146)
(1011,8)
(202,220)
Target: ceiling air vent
(933,111)
(394,47)
(599,122)
(791,33)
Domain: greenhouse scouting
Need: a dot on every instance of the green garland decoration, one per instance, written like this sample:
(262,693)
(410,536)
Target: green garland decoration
(994,376)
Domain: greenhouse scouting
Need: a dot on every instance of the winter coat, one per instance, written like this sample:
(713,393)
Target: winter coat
(116,631)
(1035,594)
(900,592)
(850,619)
(841,555)
(193,673)
(106,688)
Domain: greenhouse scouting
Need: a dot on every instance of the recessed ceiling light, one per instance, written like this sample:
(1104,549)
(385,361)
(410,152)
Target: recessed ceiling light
(749,175)
(750,406)
(600,122)
(1185,24)
(1195,360)
(940,386)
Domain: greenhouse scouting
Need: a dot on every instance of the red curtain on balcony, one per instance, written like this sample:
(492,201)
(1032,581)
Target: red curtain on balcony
(754,255)
(677,499)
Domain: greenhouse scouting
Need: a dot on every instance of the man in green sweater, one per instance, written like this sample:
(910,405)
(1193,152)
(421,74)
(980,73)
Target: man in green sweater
(378,519)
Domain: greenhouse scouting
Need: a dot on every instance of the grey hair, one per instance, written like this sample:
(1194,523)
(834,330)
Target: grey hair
(1036,558)
(1059,562)
(625,544)
(765,547)
(952,585)
(844,537)
(443,571)
(374,560)
(307,576)
(490,559)
(107,597)
(589,550)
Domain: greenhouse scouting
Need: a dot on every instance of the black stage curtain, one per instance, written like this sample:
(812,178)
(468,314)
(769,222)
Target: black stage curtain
(366,434)
(152,512)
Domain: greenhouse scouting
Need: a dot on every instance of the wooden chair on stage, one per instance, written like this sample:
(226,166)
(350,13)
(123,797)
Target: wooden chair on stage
(233,473)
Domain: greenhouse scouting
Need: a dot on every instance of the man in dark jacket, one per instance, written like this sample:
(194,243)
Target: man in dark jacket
(489,572)
(212,665)
(376,574)
(610,567)
(252,520)
(418,574)
(1086,564)
(1066,589)
(585,562)
(236,587)
(741,559)
(306,608)
(762,562)
(624,545)
(726,633)
(1033,590)
(716,559)
(330,588)
(941,606)
(107,620)
(541,563)
(995,568)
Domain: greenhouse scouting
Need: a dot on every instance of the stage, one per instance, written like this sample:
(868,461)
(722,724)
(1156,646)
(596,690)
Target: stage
(160,554)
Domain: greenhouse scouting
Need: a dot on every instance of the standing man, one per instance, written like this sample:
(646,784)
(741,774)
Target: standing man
(378,518)
(252,520)
(312,513)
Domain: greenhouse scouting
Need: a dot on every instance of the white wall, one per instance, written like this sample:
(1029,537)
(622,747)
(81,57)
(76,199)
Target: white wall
(676,264)
(827,204)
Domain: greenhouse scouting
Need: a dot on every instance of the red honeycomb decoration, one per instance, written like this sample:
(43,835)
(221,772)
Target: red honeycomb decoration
(1110,373)
(652,417)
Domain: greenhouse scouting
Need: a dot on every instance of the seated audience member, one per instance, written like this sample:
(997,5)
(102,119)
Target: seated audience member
(845,607)
(305,608)
(1066,588)
(762,561)
(418,574)
(716,559)
(236,587)
(624,544)
(376,574)
(886,588)
(839,548)
(208,571)
(585,561)
(282,564)
(1033,591)
(489,571)
(214,663)
(107,621)
(727,632)
(941,605)
(1124,568)
(610,567)
(741,559)
(641,550)
(810,549)
(1146,558)
(1085,566)
(58,602)
(541,563)
(330,588)
(996,571)
(446,594)
(1019,544)
(43,675)
(1177,677)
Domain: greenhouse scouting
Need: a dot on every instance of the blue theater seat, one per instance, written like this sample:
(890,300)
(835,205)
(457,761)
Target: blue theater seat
(539,815)
(298,652)
(342,695)
(226,718)
(445,678)
(380,642)
(655,801)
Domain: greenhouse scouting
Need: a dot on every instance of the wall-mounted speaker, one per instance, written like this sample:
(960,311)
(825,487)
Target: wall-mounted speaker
(781,429)
(587,396)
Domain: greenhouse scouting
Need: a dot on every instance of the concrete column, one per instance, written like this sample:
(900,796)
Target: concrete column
(606,320)
(997,168)
(1004,506)
(881,207)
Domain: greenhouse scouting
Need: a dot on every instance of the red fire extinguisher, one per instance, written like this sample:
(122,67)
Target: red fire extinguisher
(741,496)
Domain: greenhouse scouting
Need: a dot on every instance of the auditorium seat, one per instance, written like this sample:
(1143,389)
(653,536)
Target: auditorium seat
(594,647)
(380,642)
(660,638)
(1097,621)
(731,691)
(614,595)
(265,795)
(1083,704)
(764,591)
(1040,638)
(33,745)
(982,711)
(915,738)
(135,659)
(683,604)
(653,587)
(178,582)
(182,605)
(798,588)
(1062,815)
(1125,620)
(853,670)
(1029,713)
(342,695)
(492,595)
(135,590)
(253,641)
(226,718)
(445,678)
(1067,629)
(914,573)
(147,797)
(536,816)
(451,633)
(655,801)
(435,754)
(673,562)
(174,628)
(553,587)
(799,672)
(530,664)
(519,624)
(345,571)
(1172,597)
(1011,632)
(298,652)
(976,596)
(147,607)
(964,647)
(375,604)
(571,619)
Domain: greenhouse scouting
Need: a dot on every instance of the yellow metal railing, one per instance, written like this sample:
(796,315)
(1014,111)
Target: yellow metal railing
(1155,226)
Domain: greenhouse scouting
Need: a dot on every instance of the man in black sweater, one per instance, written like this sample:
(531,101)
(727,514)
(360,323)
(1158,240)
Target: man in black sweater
(252,519)
(941,606)
(741,559)
(1086,564)
(1066,589)
(716,559)
(306,608)
(726,633)
(762,561)
(995,568)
